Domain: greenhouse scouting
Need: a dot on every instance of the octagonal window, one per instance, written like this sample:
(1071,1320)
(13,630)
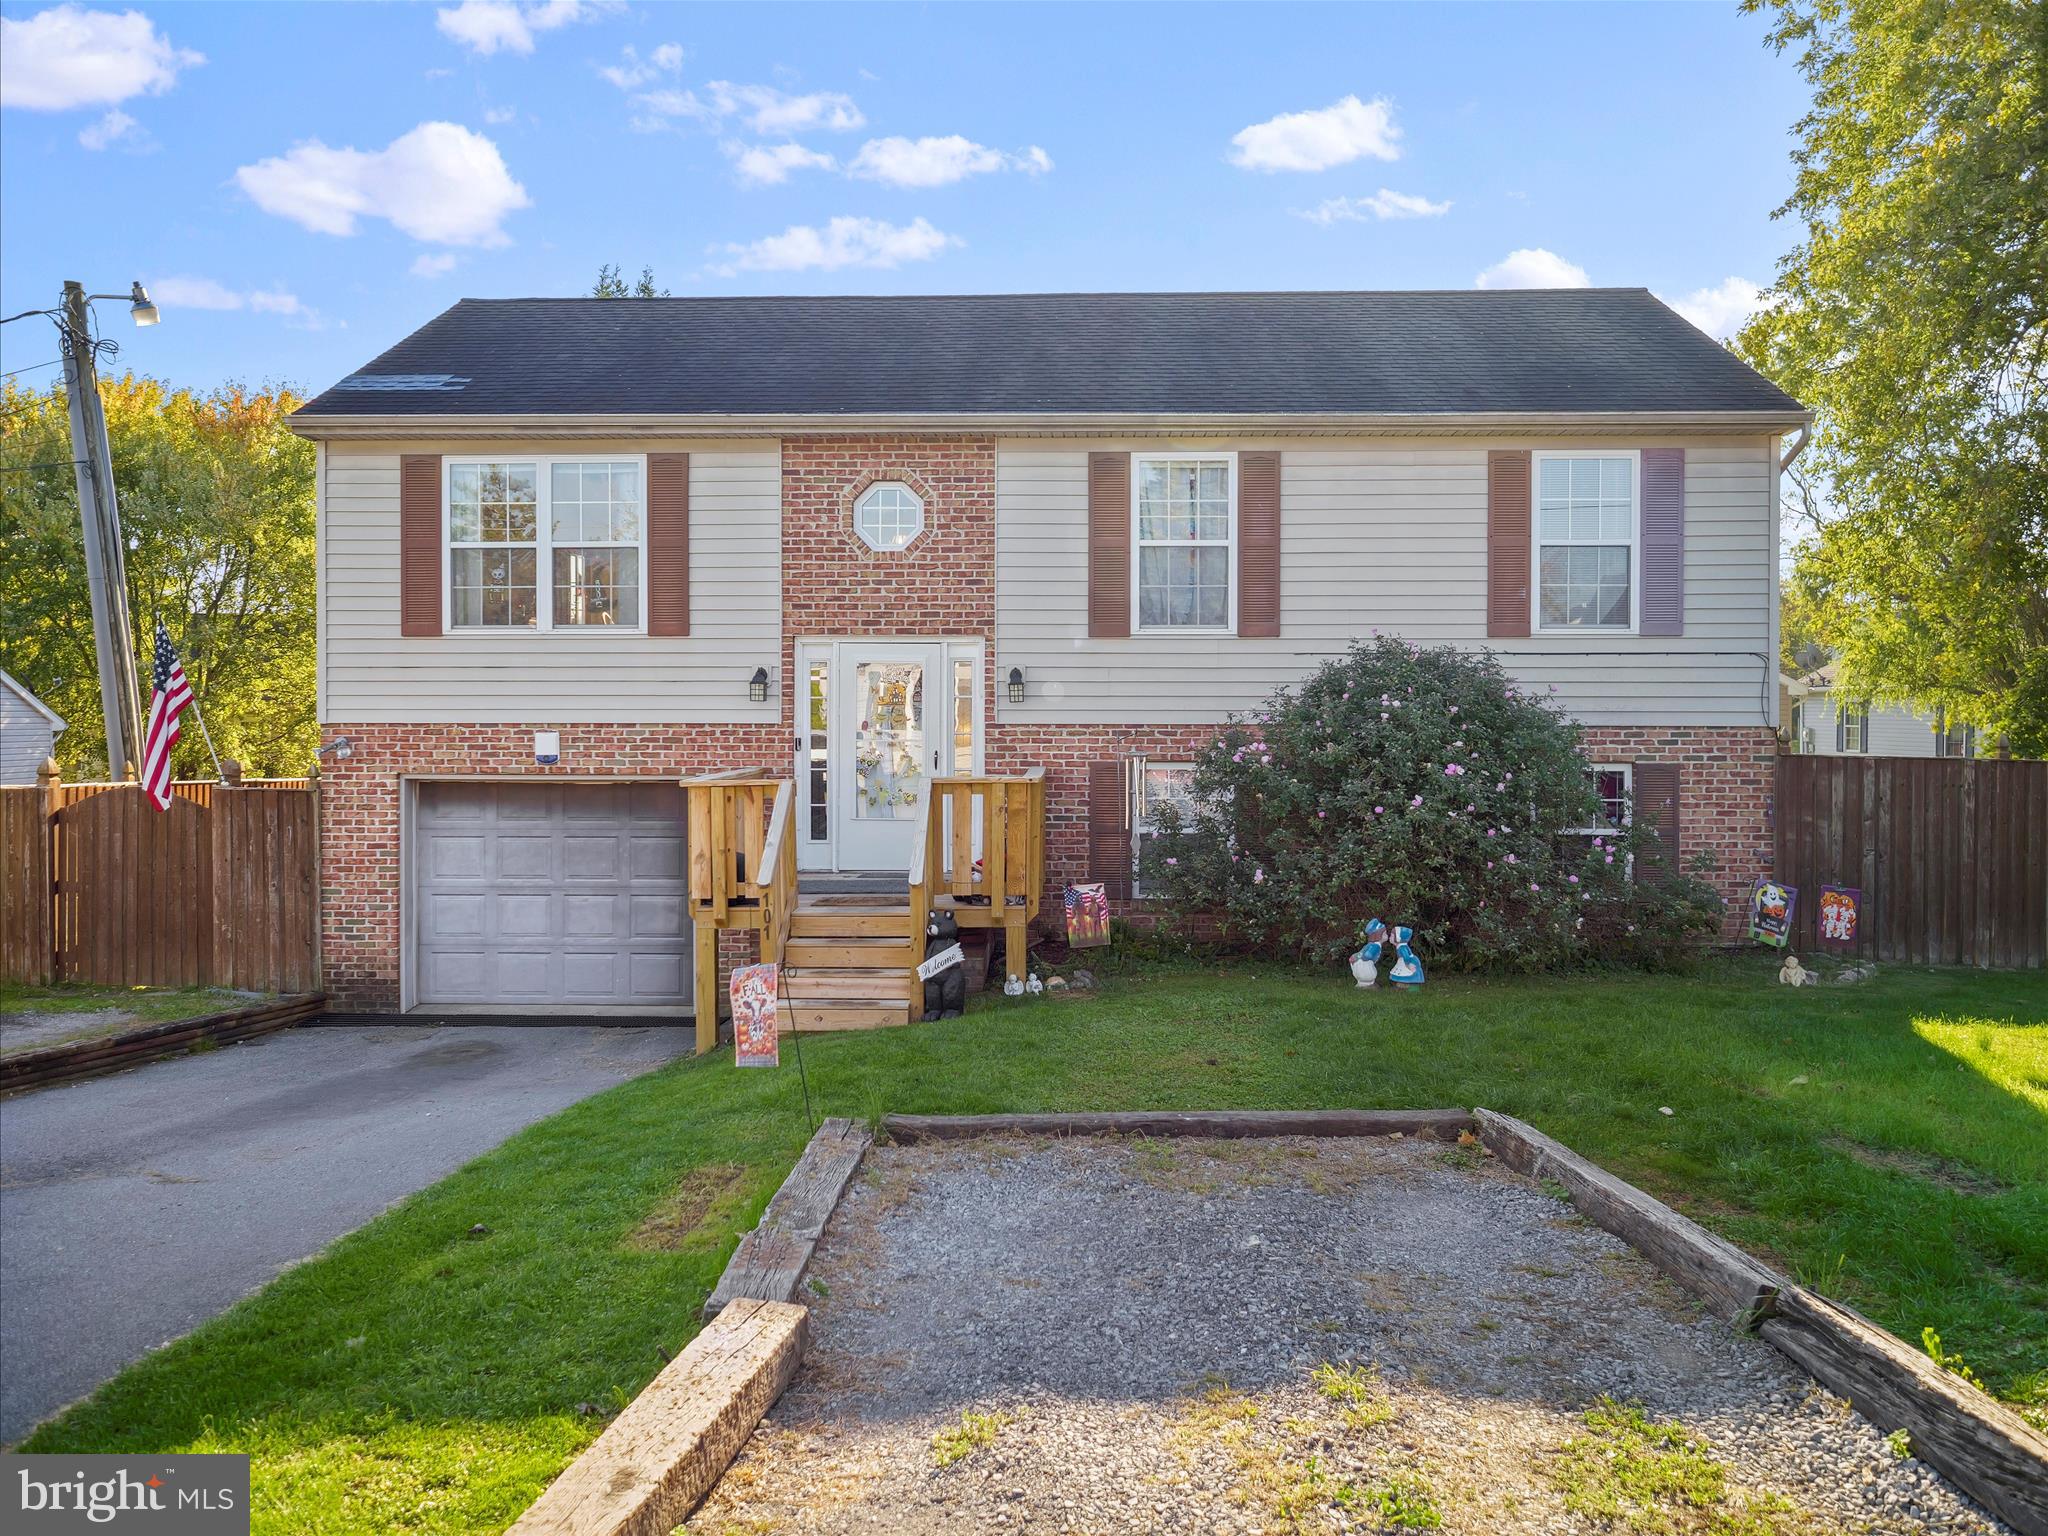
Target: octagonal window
(888,515)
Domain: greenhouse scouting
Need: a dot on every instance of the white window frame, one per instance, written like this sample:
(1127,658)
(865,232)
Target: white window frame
(1141,822)
(1138,461)
(1628,789)
(543,544)
(1855,734)
(1635,542)
(923,516)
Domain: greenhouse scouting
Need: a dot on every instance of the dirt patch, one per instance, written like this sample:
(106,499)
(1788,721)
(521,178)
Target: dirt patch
(1961,1178)
(1084,1337)
(33,1031)
(718,1187)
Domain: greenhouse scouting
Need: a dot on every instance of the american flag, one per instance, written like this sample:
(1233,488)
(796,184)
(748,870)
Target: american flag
(173,693)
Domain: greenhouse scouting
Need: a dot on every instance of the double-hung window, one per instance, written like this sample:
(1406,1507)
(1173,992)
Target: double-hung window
(1186,544)
(1613,784)
(546,543)
(1852,728)
(1586,520)
(1154,785)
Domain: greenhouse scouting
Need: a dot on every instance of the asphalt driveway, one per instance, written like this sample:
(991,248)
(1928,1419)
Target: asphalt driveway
(134,1207)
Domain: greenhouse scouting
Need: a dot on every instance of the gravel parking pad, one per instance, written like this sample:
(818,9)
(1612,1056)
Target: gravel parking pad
(1096,1336)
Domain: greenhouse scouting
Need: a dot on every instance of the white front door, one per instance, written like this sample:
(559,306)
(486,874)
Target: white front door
(891,736)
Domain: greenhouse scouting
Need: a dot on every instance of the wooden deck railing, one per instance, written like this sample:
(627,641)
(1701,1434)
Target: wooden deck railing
(980,854)
(742,871)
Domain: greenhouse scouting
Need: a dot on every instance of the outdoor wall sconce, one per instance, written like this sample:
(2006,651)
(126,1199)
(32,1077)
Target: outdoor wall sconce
(757,686)
(1016,685)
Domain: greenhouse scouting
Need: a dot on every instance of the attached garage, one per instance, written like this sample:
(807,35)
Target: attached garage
(538,895)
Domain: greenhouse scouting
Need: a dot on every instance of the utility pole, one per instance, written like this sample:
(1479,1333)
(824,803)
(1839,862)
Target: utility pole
(106,563)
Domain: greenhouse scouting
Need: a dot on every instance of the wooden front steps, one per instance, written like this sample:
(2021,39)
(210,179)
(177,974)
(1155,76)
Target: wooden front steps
(849,963)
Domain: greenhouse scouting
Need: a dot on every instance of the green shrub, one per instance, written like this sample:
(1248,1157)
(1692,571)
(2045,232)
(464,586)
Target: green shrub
(1423,787)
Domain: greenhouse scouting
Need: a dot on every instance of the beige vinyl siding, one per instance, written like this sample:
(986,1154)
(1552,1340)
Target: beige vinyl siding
(370,673)
(1389,534)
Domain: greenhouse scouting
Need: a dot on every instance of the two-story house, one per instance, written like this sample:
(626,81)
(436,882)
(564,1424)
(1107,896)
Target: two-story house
(572,550)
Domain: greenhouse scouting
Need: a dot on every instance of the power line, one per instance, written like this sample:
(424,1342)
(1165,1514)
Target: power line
(31,368)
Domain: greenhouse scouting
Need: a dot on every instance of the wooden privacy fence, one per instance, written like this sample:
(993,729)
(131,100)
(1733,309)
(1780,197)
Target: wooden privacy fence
(1951,856)
(98,885)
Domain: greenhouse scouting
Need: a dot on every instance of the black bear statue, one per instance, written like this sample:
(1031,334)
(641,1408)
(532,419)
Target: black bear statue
(945,994)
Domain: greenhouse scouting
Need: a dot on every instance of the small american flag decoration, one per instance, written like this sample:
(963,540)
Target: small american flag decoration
(1087,916)
(172,694)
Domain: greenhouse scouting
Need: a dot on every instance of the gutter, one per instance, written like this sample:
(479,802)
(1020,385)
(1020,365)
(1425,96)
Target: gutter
(1060,424)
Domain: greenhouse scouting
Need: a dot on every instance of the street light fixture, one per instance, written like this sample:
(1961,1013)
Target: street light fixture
(141,308)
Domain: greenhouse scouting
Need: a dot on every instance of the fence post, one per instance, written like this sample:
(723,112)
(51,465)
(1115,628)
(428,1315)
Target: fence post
(221,811)
(49,781)
(319,885)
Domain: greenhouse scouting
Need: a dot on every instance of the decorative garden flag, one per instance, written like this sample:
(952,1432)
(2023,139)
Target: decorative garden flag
(1841,909)
(1087,916)
(755,1040)
(1770,911)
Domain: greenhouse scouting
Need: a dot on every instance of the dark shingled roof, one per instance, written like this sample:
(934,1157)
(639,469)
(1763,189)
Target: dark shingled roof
(1533,350)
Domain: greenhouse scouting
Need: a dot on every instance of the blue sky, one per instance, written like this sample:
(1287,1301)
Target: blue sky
(302,184)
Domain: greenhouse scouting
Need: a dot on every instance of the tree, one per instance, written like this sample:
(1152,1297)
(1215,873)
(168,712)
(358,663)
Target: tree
(1913,316)
(610,285)
(217,503)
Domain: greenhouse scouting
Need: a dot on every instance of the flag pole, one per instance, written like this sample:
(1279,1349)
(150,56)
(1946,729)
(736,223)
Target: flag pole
(204,734)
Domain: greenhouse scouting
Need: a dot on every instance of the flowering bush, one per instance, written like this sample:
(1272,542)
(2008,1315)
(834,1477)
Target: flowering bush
(1420,786)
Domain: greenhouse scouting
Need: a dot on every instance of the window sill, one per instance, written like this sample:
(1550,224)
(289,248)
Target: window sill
(529,632)
(1189,630)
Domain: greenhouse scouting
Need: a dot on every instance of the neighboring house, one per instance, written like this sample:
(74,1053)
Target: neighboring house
(1821,722)
(29,729)
(874,538)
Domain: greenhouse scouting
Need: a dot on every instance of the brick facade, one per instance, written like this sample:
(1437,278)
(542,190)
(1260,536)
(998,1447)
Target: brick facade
(834,585)
(360,860)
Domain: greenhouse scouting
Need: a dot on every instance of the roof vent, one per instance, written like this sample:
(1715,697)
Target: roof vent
(402,383)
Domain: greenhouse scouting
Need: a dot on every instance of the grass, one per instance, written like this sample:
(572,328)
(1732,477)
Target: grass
(141,1005)
(957,1442)
(416,1379)
(1634,1474)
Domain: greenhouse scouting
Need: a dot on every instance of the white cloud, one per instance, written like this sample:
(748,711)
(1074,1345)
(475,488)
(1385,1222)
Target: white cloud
(767,165)
(935,162)
(1721,310)
(175,293)
(1383,204)
(767,110)
(497,117)
(1315,141)
(116,127)
(485,26)
(1532,269)
(67,57)
(632,71)
(843,242)
(433,264)
(440,183)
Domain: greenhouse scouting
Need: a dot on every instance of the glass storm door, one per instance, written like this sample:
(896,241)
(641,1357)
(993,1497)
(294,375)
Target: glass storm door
(893,733)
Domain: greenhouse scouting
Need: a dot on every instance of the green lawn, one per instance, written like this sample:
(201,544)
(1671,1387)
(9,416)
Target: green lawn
(1887,1143)
(34,1017)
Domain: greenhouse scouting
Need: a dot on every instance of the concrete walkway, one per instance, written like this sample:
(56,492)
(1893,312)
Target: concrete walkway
(134,1207)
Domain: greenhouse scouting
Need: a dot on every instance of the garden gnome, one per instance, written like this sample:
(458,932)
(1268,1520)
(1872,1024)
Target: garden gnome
(1365,965)
(1793,974)
(1407,971)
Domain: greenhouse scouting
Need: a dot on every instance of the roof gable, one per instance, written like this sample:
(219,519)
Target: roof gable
(14,686)
(1465,352)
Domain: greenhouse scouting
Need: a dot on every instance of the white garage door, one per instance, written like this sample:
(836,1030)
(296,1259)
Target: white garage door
(550,894)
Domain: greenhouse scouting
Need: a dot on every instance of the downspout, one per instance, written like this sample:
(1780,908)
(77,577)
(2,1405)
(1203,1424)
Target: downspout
(1798,447)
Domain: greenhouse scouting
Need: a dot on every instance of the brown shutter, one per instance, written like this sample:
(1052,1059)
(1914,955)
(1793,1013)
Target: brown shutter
(668,544)
(1109,545)
(1109,827)
(1507,542)
(1258,544)
(1656,806)
(419,544)
(1663,542)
